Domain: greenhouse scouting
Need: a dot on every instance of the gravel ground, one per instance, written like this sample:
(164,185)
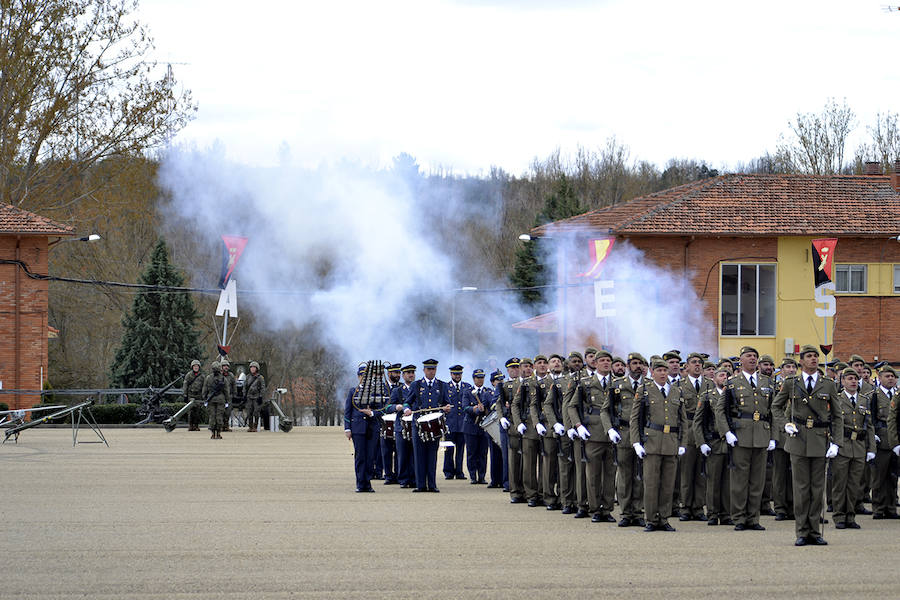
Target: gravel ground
(269,515)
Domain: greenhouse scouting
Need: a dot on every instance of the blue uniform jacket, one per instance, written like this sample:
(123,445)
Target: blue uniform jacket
(355,420)
(398,396)
(486,394)
(456,416)
(421,396)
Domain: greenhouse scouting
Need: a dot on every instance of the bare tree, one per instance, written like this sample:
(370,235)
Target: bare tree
(817,141)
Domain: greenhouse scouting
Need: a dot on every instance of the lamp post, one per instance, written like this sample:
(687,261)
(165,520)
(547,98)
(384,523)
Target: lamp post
(87,238)
(453,319)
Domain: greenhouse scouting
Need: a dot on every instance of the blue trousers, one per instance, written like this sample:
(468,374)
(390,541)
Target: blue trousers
(476,455)
(364,448)
(504,449)
(406,473)
(453,457)
(426,461)
(388,452)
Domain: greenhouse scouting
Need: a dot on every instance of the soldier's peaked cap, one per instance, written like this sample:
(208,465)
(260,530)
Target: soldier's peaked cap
(496,375)
(456,369)
(394,367)
(477,373)
(512,362)
(409,369)
(430,363)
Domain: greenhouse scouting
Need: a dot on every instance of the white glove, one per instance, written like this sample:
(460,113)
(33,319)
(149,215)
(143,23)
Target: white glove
(583,433)
(541,429)
(730,438)
(639,450)
(897,450)
(521,428)
(681,450)
(559,429)
(832,451)
(705,449)
(877,440)
(790,429)
(614,436)
(870,456)
(504,422)
(226,405)
(771,445)
(206,404)
(572,433)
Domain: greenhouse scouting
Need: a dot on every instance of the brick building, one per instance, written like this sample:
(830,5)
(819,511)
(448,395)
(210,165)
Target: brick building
(743,243)
(25,240)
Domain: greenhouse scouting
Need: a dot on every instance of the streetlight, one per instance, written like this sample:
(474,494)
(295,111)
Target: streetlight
(87,238)
(525,237)
(453,319)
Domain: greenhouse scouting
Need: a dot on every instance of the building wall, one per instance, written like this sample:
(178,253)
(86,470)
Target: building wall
(23,318)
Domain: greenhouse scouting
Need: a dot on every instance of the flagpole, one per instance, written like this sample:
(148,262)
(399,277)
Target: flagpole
(225,329)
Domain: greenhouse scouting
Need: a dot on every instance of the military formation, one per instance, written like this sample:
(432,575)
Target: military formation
(220,392)
(664,438)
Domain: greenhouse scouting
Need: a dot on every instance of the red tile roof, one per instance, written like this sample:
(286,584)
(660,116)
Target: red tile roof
(16,220)
(753,205)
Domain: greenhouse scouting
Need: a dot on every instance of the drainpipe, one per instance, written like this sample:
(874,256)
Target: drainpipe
(17,353)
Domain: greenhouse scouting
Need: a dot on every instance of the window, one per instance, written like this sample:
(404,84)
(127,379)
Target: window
(897,279)
(748,300)
(850,279)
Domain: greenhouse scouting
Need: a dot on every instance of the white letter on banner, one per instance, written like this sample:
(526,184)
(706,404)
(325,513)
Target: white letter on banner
(228,300)
(601,299)
(828,300)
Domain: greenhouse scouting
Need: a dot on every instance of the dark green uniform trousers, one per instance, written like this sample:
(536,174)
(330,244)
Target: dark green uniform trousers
(659,484)
(809,488)
(629,490)
(747,480)
(601,477)
(847,476)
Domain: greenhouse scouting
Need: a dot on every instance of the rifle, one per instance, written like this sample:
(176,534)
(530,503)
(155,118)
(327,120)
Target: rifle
(557,410)
(642,433)
(613,420)
(540,413)
(728,400)
(579,407)
(150,407)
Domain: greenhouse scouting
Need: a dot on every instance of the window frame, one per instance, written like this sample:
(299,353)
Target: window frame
(738,295)
(850,268)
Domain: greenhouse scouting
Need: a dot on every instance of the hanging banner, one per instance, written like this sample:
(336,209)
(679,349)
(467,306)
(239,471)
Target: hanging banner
(599,249)
(228,300)
(234,246)
(823,260)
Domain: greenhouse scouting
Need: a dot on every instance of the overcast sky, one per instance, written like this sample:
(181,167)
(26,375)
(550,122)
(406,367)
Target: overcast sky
(467,84)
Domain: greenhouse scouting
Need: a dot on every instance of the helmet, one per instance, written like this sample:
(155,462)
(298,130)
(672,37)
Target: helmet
(224,362)
(195,362)
(254,364)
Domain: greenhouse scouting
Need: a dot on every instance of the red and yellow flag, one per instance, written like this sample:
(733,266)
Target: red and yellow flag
(234,246)
(823,260)
(599,249)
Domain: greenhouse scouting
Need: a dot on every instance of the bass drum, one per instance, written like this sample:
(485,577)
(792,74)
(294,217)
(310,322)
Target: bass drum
(387,426)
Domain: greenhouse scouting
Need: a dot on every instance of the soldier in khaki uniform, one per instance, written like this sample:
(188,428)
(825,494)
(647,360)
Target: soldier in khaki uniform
(217,396)
(782,484)
(715,451)
(884,484)
(193,390)
(744,419)
(568,479)
(232,385)
(657,414)
(255,394)
(572,404)
(506,393)
(807,408)
(693,482)
(767,367)
(543,396)
(616,417)
(856,448)
(526,427)
(600,471)
(858,364)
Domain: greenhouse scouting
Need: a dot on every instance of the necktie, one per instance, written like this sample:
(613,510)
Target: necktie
(662,390)
(809,385)
(603,382)
(635,384)
(697,386)
(752,382)
(853,401)
(890,395)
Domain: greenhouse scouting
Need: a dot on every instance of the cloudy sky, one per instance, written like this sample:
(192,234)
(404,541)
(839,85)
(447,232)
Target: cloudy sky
(467,84)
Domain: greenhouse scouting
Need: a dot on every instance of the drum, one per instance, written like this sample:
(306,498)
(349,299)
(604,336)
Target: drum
(387,426)
(491,424)
(406,427)
(431,426)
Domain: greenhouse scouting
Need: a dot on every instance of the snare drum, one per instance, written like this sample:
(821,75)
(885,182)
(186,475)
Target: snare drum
(387,426)
(406,427)
(431,426)
(491,424)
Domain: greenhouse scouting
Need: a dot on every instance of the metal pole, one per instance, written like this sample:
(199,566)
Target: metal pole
(453,328)
(225,329)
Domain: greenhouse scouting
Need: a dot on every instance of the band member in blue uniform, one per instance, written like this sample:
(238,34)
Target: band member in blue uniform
(361,427)
(389,444)
(453,456)
(405,459)
(498,462)
(477,401)
(424,394)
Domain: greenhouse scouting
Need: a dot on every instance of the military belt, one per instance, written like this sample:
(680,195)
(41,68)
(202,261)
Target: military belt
(624,422)
(664,428)
(810,423)
(709,436)
(756,416)
(853,434)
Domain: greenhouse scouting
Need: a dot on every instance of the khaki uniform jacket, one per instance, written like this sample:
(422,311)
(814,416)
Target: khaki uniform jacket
(817,415)
(880,416)
(521,411)
(660,412)
(193,386)
(574,395)
(506,393)
(551,410)
(595,399)
(746,411)
(568,385)
(704,423)
(691,398)
(778,433)
(616,412)
(255,387)
(858,434)
(893,414)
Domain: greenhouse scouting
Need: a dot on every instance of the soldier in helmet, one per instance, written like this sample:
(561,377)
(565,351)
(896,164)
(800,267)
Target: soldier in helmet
(193,390)
(255,394)
(217,395)
(232,387)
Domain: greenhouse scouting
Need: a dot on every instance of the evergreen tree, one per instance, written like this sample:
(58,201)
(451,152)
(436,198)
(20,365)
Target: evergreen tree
(160,338)
(529,270)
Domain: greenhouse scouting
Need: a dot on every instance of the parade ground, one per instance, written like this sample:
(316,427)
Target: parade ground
(274,515)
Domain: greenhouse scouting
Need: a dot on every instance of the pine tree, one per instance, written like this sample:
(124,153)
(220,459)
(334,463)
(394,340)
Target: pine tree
(160,338)
(529,270)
